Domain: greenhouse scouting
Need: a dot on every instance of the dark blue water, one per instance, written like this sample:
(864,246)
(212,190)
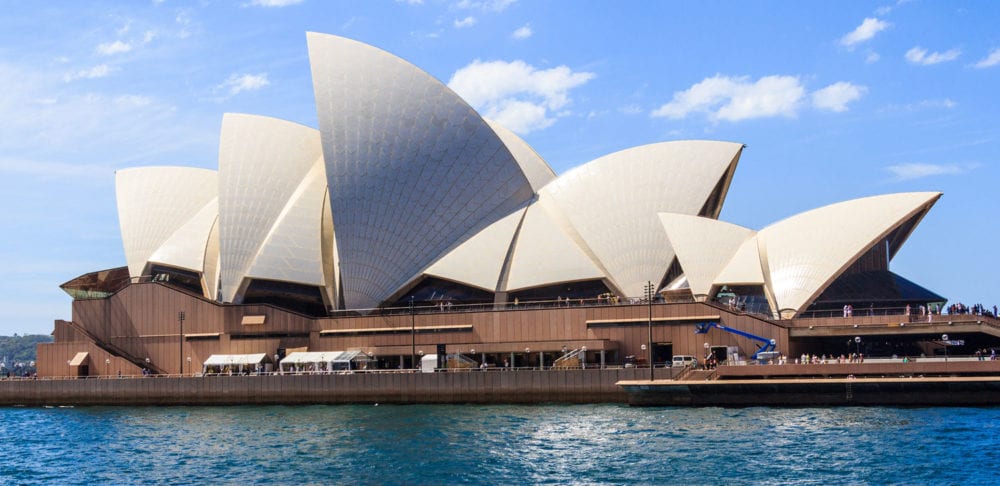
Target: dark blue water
(499,445)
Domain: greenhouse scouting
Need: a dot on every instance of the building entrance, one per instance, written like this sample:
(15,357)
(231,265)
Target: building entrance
(662,353)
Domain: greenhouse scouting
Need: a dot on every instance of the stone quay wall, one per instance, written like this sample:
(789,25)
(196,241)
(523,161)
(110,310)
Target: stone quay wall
(489,387)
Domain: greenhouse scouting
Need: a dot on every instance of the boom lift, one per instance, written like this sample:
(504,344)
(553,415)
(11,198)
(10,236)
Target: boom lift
(766,349)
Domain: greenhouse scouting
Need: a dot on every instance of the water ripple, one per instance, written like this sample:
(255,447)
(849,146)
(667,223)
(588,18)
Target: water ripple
(498,444)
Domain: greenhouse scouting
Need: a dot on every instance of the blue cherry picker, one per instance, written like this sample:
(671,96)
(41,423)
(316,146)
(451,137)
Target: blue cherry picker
(766,350)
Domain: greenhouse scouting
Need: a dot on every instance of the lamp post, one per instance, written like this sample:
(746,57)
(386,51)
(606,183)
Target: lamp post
(583,359)
(527,356)
(649,326)
(420,366)
(413,335)
(944,339)
(148,372)
(189,364)
(857,346)
(180,319)
(107,366)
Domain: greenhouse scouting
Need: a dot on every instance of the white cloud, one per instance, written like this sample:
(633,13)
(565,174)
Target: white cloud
(112,48)
(632,109)
(868,28)
(98,71)
(946,103)
(516,94)
(522,33)
(466,22)
(125,28)
(919,55)
(133,101)
(274,3)
(836,96)
(238,83)
(992,59)
(916,170)
(485,5)
(148,36)
(872,58)
(60,130)
(883,10)
(736,98)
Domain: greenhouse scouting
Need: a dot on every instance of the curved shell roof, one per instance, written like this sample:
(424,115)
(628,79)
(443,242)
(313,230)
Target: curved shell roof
(155,204)
(534,167)
(806,252)
(479,261)
(412,169)
(269,214)
(545,254)
(704,246)
(745,267)
(611,203)
(293,251)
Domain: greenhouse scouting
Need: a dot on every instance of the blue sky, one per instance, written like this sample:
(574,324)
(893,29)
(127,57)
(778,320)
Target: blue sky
(834,100)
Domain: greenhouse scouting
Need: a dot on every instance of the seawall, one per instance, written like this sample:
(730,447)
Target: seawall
(934,391)
(508,387)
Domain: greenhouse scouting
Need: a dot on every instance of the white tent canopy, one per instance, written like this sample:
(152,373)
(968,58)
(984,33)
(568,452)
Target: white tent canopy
(323,360)
(238,361)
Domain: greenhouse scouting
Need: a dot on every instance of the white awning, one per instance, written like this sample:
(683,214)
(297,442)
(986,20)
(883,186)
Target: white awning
(301,357)
(235,359)
(79,359)
(348,356)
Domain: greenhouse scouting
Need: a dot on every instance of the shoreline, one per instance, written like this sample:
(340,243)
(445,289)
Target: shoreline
(614,385)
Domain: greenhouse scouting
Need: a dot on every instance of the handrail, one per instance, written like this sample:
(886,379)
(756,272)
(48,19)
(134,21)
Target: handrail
(112,349)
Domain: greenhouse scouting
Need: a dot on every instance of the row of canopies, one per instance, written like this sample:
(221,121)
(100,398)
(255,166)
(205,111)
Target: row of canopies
(310,361)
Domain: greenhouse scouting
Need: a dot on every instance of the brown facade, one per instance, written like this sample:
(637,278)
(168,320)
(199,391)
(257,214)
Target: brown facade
(141,322)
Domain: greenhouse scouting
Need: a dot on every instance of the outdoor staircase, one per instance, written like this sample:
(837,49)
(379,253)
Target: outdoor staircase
(115,350)
(690,374)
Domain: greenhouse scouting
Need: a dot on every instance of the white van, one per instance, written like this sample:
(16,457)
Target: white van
(684,360)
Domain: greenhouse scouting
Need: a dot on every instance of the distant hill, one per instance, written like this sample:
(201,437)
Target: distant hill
(20,349)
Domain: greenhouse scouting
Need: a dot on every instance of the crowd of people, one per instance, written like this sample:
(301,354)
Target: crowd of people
(976,310)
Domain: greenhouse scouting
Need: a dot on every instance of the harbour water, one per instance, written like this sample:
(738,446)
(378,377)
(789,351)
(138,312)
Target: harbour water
(420,444)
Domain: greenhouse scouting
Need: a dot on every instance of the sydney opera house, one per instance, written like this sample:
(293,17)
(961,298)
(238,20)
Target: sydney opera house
(408,225)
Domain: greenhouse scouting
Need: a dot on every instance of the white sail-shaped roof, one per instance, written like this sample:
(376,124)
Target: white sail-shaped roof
(612,203)
(545,254)
(262,165)
(154,203)
(704,246)
(194,246)
(293,251)
(413,170)
(744,268)
(534,167)
(806,252)
(479,261)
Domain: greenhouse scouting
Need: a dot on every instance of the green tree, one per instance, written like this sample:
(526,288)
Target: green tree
(17,353)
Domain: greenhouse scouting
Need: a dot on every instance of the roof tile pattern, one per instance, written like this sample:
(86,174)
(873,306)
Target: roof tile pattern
(153,204)
(412,169)
(262,163)
(612,203)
